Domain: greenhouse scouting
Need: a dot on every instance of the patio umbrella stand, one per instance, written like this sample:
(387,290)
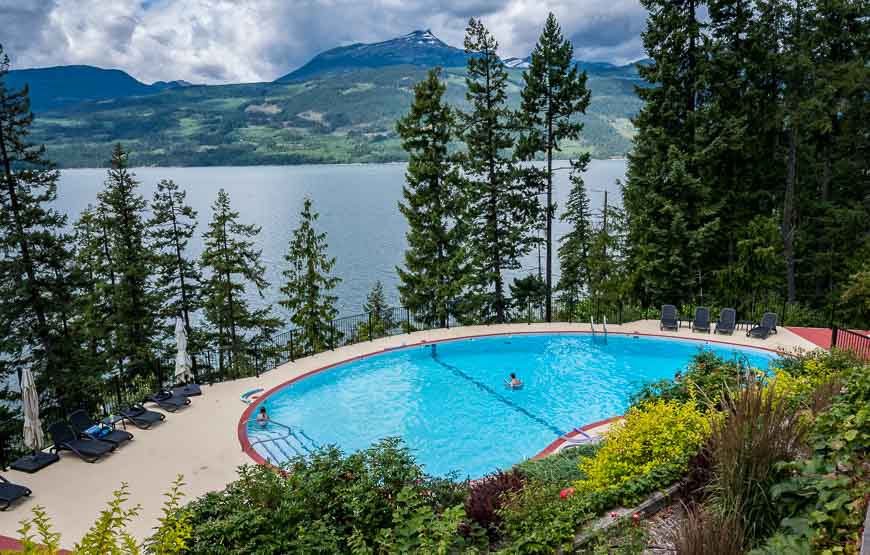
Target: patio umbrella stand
(33,436)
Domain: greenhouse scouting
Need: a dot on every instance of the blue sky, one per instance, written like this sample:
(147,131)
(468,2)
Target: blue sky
(224,41)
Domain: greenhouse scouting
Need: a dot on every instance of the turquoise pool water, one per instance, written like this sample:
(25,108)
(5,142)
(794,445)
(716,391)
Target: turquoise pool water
(453,410)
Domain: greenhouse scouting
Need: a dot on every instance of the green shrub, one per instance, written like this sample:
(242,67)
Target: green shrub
(325,501)
(560,468)
(704,380)
(653,434)
(824,496)
(109,535)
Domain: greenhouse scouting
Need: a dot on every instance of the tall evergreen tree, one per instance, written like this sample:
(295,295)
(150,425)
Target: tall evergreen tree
(34,251)
(671,211)
(502,210)
(380,316)
(135,304)
(231,263)
(554,95)
(575,244)
(432,276)
(309,285)
(171,227)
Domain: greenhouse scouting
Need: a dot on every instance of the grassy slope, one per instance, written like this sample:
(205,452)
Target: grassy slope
(340,118)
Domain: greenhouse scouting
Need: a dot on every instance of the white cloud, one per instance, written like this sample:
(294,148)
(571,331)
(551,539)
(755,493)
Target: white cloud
(221,41)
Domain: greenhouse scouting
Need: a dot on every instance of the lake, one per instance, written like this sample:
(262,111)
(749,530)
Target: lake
(357,206)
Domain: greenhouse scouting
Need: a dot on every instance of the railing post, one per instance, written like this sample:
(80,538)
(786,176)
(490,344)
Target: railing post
(370,326)
(256,361)
(292,347)
(407,320)
(834,336)
(332,335)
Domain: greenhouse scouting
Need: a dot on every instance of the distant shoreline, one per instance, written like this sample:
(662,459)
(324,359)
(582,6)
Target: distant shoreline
(310,165)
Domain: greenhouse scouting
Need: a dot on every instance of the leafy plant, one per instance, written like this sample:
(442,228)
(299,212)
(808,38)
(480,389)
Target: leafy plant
(175,530)
(654,434)
(487,495)
(560,468)
(327,502)
(705,379)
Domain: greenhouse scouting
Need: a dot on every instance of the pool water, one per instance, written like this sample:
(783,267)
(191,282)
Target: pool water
(449,403)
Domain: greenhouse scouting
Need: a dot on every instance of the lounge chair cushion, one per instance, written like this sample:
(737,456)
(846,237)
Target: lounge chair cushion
(10,492)
(188,390)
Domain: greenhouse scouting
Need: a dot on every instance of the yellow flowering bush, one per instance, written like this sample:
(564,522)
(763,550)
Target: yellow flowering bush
(653,434)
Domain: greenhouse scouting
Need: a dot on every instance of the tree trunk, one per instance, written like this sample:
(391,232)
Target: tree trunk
(789,213)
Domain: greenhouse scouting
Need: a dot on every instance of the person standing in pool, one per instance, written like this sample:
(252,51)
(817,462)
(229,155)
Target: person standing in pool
(514,382)
(262,417)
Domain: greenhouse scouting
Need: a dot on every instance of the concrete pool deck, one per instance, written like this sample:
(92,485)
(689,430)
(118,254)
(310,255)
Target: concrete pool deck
(201,442)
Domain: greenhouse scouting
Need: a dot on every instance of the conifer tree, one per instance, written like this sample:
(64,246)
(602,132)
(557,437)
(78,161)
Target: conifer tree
(94,281)
(171,227)
(309,284)
(380,317)
(135,303)
(672,214)
(502,209)
(34,252)
(432,276)
(555,94)
(575,244)
(231,263)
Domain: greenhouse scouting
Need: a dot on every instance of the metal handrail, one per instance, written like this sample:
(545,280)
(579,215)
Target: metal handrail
(604,324)
(592,323)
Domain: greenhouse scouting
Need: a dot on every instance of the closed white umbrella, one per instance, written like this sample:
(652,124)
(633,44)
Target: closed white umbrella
(182,359)
(33,437)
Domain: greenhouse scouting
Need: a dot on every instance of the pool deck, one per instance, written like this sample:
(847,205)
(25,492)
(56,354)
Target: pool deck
(201,442)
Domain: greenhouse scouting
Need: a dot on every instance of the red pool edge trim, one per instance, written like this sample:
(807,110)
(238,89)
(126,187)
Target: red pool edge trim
(242,429)
(550,449)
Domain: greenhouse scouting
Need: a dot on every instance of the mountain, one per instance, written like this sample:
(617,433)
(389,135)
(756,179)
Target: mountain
(340,107)
(55,87)
(419,48)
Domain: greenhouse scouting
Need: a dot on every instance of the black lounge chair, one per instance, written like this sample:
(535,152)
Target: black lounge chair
(702,319)
(759,332)
(727,321)
(168,400)
(65,439)
(141,417)
(769,321)
(81,423)
(10,493)
(187,390)
(669,319)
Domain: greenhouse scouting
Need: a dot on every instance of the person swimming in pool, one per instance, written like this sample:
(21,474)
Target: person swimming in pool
(262,417)
(514,382)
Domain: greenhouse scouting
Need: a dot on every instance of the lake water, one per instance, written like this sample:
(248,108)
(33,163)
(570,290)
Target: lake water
(358,206)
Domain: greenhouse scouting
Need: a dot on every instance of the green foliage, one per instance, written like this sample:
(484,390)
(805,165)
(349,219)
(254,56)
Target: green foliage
(170,229)
(35,265)
(232,263)
(653,434)
(707,377)
(175,530)
(129,263)
(380,315)
(309,284)
(35,534)
(575,245)
(757,431)
(501,205)
(554,95)
(528,291)
(434,269)
(108,535)
(560,468)
(824,496)
(331,503)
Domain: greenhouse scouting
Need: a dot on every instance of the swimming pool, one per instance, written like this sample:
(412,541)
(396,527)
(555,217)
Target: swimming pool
(448,401)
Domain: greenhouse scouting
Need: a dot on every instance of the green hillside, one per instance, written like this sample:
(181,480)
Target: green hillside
(338,117)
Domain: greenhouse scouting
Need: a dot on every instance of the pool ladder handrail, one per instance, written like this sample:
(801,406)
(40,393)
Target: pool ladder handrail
(282,443)
(592,324)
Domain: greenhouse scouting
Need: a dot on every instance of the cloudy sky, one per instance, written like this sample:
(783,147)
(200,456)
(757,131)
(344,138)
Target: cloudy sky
(224,41)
